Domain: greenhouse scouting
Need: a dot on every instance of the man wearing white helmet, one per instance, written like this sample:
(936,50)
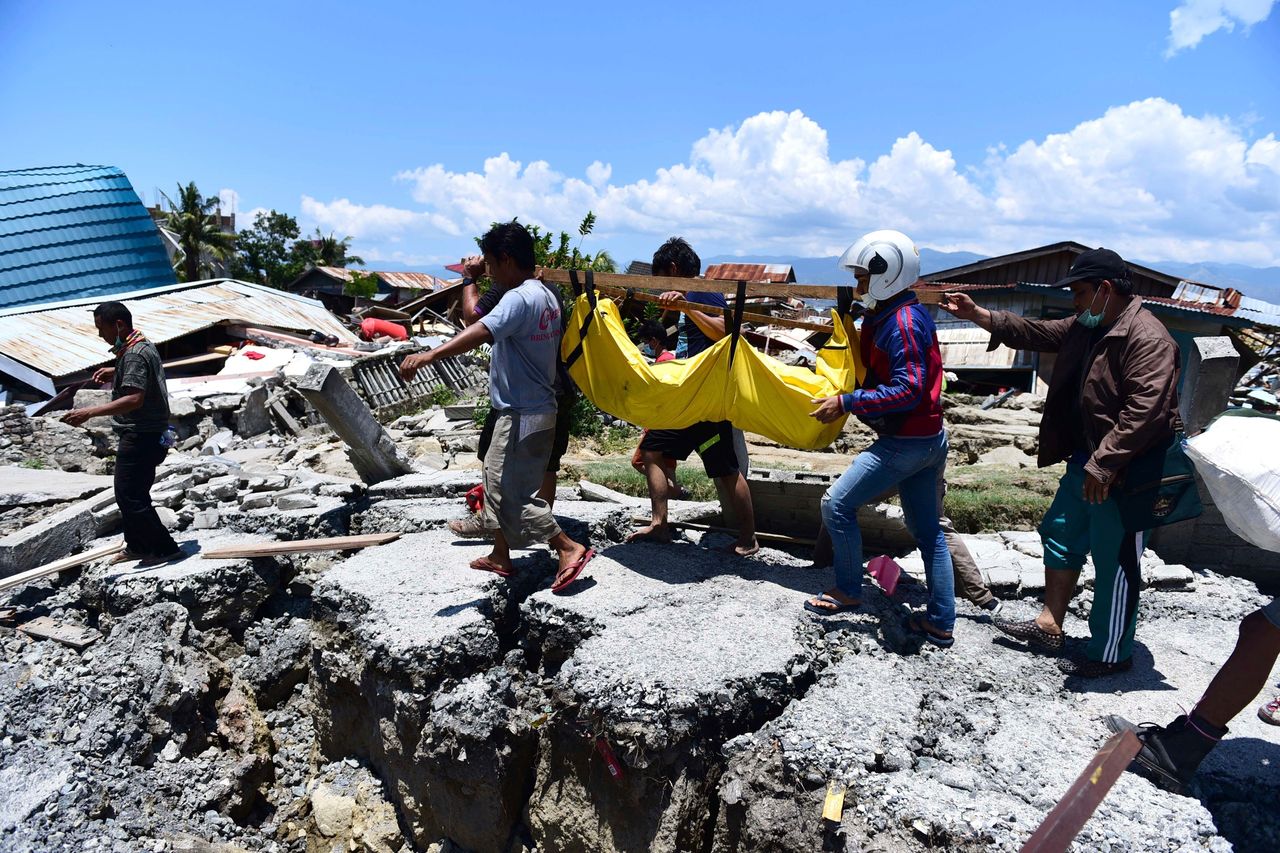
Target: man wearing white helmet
(900,399)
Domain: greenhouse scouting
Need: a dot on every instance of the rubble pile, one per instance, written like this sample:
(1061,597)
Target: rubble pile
(394,699)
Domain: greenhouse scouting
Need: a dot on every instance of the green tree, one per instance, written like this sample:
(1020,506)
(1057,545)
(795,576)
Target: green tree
(324,251)
(362,284)
(194,220)
(264,252)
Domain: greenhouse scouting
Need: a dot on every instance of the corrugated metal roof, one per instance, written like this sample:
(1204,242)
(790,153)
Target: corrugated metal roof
(778,273)
(58,341)
(967,347)
(70,231)
(401,280)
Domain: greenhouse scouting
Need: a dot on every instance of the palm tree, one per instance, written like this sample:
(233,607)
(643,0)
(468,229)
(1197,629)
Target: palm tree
(332,252)
(194,221)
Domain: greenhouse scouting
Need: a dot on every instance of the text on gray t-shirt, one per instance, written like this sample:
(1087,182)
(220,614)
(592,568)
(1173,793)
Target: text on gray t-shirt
(525,325)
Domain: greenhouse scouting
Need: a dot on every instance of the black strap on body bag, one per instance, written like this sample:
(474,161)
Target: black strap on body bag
(1159,487)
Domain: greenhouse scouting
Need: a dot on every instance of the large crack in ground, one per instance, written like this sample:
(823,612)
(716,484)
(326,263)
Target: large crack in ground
(678,700)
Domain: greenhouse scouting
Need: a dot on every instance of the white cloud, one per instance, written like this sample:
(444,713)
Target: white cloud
(1195,19)
(1144,178)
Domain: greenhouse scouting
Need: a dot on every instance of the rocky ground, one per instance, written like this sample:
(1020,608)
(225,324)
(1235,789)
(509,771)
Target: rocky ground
(679,699)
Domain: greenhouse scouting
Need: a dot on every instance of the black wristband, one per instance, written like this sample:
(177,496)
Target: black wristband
(466,281)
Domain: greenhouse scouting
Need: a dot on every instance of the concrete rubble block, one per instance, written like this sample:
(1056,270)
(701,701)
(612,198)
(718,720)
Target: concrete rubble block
(1024,541)
(963,750)
(206,519)
(181,407)
(252,417)
(1207,381)
(1008,455)
(27,486)
(408,516)
(433,484)
(327,517)
(257,500)
(297,501)
(408,676)
(665,655)
(460,412)
(595,492)
(216,593)
(217,443)
(371,450)
(51,538)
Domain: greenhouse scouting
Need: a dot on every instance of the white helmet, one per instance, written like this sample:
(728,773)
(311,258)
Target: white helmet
(890,257)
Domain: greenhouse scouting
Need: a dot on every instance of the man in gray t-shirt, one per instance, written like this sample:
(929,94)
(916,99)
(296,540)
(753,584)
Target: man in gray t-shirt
(524,329)
(139,412)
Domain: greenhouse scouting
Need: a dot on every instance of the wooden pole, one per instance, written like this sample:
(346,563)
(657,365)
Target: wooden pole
(1063,824)
(662,284)
(685,307)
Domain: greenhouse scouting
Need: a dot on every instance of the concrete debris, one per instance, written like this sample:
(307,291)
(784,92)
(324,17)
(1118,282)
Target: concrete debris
(397,699)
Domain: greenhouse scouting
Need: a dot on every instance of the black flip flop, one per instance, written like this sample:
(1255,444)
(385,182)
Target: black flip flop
(916,623)
(836,610)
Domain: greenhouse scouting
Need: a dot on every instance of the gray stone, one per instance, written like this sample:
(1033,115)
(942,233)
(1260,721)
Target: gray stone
(168,517)
(59,535)
(288,502)
(595,492)
(252,417)
(1207,381)
(181,407)
(217,443)
(206,519)
(257,500)
(371,450)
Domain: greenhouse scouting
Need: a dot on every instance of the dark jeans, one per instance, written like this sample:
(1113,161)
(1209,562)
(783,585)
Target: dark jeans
(136,461)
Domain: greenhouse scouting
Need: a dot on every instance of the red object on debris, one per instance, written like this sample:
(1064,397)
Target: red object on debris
(254,355)
(886,572)
(610,760)
(372,327)
(475,498)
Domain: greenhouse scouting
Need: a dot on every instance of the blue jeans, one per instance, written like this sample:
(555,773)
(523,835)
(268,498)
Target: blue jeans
(915,466)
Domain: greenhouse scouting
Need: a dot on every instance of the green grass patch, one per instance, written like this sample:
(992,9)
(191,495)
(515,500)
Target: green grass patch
(621,477)
(990,498)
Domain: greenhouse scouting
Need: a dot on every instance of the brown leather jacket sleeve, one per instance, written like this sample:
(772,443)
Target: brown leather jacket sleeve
(1020,333)
(1149,385)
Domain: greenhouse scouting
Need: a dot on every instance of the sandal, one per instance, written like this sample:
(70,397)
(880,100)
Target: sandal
(837,607)
(575,568)
(1270,712)
(484,564)
(917,624)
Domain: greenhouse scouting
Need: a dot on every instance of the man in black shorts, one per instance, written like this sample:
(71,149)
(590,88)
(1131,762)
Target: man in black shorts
(475,306)
(714,442)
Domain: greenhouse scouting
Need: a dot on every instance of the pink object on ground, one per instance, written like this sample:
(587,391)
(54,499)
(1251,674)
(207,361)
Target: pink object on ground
(886,572)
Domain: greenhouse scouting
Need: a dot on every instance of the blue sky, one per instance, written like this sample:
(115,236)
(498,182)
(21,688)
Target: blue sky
(752,128)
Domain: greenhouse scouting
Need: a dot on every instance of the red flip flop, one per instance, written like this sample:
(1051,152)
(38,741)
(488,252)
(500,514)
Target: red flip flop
(484,564)
(575,569)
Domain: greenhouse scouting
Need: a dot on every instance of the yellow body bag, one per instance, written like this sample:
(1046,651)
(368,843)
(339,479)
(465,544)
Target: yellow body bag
(723,383)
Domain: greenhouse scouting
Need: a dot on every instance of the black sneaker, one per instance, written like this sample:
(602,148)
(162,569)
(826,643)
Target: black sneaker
(1031,634)
(1083,667)
(1171,754)
(994,607)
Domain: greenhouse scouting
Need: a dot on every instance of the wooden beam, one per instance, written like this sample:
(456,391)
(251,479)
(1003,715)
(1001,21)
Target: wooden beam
(300,546)
(60,565)
(747,316)
(663,284)
(75,636)
(1069,816)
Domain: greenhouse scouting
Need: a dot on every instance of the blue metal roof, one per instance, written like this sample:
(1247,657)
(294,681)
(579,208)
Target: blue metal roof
(69,232)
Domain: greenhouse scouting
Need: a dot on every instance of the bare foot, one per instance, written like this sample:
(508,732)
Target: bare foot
(746,549)
(570,564)
(651,533)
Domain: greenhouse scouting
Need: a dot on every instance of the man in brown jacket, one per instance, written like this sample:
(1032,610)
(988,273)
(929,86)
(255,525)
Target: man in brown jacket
(1112,396)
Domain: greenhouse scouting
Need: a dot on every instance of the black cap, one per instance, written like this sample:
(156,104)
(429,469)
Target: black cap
(1095,265)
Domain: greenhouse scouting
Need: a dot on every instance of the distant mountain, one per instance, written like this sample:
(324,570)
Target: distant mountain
(825,271)
(1258,282)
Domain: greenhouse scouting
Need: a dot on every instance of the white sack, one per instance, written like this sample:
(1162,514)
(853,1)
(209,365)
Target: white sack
(1239,460)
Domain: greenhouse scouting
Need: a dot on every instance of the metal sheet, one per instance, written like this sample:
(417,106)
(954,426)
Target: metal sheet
(63,341)
(967,347)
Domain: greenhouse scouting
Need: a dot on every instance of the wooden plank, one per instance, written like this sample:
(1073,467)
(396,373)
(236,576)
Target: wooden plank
(301,546)
(663,284)
(75,636)
(685,307)
(60,565)
(1069,816)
